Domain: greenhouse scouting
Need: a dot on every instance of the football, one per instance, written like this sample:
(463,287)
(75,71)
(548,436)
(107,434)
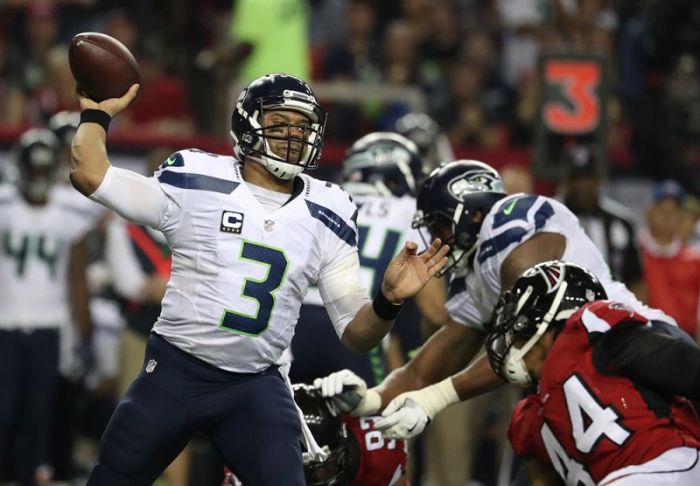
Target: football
(102,66)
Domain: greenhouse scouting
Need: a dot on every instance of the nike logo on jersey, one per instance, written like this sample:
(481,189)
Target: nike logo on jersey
(509,209)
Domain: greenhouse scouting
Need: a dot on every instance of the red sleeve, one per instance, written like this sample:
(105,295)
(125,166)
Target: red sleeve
(525,424)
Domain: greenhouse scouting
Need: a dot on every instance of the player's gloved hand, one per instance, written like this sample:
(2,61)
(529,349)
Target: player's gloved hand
(407,415)
(404,420)
(349,393)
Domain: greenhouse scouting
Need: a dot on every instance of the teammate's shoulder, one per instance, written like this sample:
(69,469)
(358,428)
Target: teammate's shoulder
(196,169)
(602,315)
(520,210)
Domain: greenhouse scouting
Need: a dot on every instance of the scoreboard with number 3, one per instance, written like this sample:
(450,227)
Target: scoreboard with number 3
(572,108)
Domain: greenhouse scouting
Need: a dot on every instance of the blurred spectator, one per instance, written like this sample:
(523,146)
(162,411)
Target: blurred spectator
(469,113)
(441,44)
(162,107)
(517,178)
(672,268)
(521,21)
(326,18)
(121,26)
(354,58)
(607,223)
(57,90)
(399,55)
(12,100)
(417,17)
(689,229)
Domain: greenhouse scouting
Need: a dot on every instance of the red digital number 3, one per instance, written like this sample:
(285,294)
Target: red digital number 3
(579,81)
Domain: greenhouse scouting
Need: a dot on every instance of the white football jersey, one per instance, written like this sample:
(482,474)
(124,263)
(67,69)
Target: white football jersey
(240,271)
(384,226)
(511,222)
(34,255)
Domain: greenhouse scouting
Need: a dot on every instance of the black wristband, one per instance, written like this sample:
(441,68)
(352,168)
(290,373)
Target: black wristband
(95,116)
(384,309)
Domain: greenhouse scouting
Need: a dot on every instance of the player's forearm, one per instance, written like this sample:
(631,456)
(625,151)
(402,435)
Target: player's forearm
(89,162)
(447,352)
(366,330)
(476,380)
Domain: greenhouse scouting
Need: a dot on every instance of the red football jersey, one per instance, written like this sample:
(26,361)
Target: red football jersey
(382,461)
(588,423)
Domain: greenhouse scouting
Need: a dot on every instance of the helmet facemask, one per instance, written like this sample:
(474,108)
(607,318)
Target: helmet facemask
(326,472)
(302,141)
(441,224)
(517,332)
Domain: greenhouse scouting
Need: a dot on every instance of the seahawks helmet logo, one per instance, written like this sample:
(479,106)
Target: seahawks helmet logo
(474,181)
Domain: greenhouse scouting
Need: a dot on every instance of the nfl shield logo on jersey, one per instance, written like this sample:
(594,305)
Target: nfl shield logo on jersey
(269,225)
(151,365)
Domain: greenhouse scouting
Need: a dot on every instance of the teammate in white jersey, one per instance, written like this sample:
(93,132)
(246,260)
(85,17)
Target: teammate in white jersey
(381,171)
(42,269)
(495,238)
(248,235)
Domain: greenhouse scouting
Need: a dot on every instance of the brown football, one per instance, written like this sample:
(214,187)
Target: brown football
(102,66)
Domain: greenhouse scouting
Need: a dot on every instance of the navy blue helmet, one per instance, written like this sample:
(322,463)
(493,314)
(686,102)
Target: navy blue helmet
(37,159)
(388,162)
(278,92)
(452,203)
(543,297)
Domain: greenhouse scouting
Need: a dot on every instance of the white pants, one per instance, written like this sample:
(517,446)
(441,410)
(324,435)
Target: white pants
(680,467)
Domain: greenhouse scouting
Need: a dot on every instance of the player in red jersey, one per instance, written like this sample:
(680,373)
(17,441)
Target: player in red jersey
(610,406)
(356,453)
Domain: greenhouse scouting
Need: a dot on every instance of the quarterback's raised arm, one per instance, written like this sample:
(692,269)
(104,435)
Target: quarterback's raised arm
(131,195)
(89,161)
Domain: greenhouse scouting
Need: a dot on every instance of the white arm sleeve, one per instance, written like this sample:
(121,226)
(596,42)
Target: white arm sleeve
(134,197)
(342,291)
(127,276)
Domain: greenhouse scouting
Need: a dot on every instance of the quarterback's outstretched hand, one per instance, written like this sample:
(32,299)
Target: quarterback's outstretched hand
(111,106)
(408,272)
(407,415)
(349,393)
